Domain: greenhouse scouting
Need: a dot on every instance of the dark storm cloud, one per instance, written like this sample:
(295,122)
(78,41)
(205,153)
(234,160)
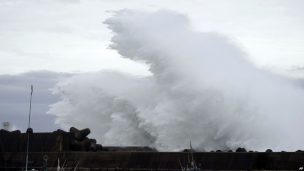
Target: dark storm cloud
(15,94)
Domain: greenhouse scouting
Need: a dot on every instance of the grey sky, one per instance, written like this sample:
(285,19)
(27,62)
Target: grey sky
(69,36)
(72,35)
(15,94)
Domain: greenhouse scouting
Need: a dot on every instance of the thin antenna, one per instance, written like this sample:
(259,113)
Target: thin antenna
(29,118)
(28,127)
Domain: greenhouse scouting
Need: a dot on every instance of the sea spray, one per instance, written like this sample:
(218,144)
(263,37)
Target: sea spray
(201,88)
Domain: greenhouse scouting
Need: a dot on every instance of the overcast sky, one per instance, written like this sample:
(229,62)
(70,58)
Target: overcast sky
(15,95)
(54,37)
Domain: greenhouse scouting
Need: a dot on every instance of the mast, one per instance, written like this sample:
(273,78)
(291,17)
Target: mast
(28,127)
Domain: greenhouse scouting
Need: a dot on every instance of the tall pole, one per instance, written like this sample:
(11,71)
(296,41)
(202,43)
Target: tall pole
(29,126)
(29,118)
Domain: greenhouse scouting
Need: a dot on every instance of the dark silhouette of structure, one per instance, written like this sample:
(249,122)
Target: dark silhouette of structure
(75,148)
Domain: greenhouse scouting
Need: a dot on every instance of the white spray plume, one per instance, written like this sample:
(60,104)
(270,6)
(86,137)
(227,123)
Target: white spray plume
(202,89)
